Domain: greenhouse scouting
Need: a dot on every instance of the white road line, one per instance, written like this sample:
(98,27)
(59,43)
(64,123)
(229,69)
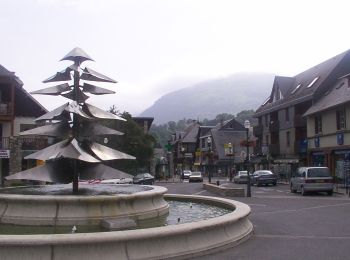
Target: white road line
(299,237)
(200,192)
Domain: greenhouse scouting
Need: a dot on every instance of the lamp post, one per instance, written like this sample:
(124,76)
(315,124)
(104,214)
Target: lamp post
(247,126)
(230,154)
(209,161)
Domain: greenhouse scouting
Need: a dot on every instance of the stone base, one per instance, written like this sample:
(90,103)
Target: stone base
(224,191)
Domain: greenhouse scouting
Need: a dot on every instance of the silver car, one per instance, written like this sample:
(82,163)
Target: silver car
(312,179)
(241,177)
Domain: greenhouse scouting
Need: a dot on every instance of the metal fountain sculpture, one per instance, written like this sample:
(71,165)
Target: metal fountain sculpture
(78,155)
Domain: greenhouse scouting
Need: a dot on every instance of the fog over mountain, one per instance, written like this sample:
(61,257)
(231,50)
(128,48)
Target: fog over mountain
(206,99)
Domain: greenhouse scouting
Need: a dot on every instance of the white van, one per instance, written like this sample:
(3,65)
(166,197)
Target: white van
(308,179)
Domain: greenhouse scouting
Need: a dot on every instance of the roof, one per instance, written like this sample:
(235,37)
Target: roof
(191,133)
(25,104)
(306,85)
(339,94)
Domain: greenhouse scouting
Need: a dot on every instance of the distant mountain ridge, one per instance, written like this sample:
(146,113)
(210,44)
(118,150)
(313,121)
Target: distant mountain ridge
(209,98)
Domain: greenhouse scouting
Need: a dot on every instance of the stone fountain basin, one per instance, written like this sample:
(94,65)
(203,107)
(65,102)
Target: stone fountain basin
(167,242)
(144,202)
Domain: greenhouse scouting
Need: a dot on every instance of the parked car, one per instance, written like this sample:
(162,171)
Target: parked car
(196,176)
(143,179)
(118,181)
(240,177)
(186,174)
(312,179)
(265,177)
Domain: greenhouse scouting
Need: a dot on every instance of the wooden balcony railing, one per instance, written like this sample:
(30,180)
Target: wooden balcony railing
(31,143)
(5,109)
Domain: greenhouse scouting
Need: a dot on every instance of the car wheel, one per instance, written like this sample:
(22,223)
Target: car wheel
(330,193)
(292,189)
(258,184)
(274,184)
(303,192)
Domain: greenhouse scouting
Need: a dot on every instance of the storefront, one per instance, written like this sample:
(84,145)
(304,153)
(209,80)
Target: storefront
(342,166)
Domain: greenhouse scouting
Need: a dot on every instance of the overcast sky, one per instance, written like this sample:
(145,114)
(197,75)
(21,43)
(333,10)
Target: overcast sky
(143,44)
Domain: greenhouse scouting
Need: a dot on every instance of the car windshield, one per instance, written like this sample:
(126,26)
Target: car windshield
(264,173)
(242,173)
(319,172)
(195,174)
(141,175)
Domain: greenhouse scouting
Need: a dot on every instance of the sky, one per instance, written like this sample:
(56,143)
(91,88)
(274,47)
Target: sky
(152,47)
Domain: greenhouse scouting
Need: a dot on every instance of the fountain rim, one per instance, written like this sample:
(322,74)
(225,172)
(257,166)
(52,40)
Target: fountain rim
(240,211)
(155,190)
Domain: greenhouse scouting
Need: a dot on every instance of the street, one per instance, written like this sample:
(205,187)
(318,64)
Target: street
(286,225)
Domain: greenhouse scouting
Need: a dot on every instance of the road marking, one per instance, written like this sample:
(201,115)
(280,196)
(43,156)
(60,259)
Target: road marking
(258,205)
(298,237)
(200,192)
(295,210)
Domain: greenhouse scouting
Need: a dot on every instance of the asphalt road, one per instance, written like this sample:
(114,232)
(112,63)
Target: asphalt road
(287,226)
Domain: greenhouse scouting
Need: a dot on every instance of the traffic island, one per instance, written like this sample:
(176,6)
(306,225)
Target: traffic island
(224,190)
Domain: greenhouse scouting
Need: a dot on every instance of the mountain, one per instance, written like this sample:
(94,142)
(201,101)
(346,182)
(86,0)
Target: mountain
(207,99)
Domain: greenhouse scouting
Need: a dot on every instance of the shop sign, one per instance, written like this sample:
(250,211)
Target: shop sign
(4,154)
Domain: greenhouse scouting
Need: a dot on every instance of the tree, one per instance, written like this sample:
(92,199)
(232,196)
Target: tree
(134,142)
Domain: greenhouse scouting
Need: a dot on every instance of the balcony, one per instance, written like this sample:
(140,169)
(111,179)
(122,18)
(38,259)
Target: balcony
(4,143)
(34,143)
(274,149)
(5,109)
(299,121)
(258,130)
(274,126)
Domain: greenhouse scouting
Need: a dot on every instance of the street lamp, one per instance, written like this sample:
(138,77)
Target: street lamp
(209,163)
(247,126)
(230,154)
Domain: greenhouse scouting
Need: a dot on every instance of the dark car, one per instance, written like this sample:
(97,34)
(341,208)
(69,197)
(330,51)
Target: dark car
(263,177)
(143,179)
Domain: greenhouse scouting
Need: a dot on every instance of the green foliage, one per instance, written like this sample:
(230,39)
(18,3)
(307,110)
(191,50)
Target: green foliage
(134,142)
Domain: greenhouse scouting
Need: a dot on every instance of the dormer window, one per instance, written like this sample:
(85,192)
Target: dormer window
(296,88)
(312,82)
(278,95)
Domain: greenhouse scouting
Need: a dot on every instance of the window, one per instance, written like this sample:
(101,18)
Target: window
(312,82)
(287,114)
(341,124)
(318,124)
(296,88)
(288,138)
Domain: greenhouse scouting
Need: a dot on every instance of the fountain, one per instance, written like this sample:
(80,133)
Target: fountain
(78,156)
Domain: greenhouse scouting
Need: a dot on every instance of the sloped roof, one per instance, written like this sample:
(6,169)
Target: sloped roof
(5,73)
(25,104)
(230,125)
(326,73)
(339,94)
(191,133)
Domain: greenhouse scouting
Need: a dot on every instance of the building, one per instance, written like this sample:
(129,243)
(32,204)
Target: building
(17,113)
(222,147)
(328,130)
(282,128)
